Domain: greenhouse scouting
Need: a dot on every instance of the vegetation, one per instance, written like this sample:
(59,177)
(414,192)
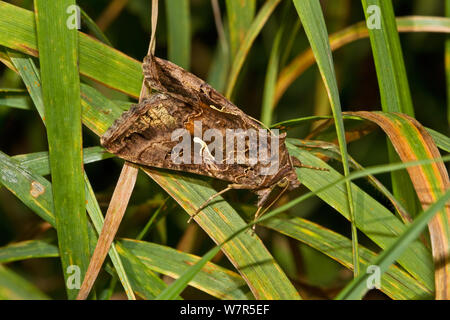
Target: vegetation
(362,89)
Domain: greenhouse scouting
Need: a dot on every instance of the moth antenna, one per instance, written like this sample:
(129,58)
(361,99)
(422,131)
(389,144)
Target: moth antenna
(203,206)
(301,165)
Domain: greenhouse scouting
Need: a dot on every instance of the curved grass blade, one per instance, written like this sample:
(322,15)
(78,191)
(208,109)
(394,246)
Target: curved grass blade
(441,141)
(372,218)
(350,34)
(412,142)
(33,190)
(311,16)
(394,87)
(212,279)
(358,287)
(396,283)
(30,249)
(14,287)
(326,150)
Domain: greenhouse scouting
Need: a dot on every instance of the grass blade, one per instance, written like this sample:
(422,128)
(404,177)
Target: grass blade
(14,287)
(358,287)
(215,280)
(412,142)
(396,283)
(447,61)
(179,32)
(372,218)
(394,87)
(27,250)
(14,98)
(350,34)
(116,210)
(311,16)
(272,68)
(38,162)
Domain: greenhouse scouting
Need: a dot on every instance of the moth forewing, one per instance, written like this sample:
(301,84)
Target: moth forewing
(184,117)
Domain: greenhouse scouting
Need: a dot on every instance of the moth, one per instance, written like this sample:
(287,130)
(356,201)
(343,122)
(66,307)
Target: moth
(145,134)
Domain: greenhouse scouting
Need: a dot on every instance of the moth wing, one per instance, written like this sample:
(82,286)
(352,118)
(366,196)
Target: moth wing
(145,135)
(165,76)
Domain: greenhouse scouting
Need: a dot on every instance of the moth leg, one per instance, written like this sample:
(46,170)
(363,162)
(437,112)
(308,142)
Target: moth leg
(205,204)
(264,195)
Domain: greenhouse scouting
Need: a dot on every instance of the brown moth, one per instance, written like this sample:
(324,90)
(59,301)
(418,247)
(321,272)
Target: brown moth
(145,134)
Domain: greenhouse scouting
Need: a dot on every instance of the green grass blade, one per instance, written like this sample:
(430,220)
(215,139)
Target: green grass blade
(253,31)
(388,56)
(30,76)
(179,32)
(145,282)
(14,287)
(394,87)
(38,162)
(240,16)
(58,56)
(355,32)
(92,26)
(14,98)
(396,283)
(97,60)
(441,141)
(358,287)
(30,249)
(311,16)
(412,142)
(272,68)
(372,218)
(212,279)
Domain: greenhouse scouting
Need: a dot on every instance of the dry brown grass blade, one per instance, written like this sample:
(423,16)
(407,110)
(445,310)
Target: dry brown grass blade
(121,195)
(114,215)
(412,142)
